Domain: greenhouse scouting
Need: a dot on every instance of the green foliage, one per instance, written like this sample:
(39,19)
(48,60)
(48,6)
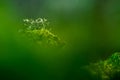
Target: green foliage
(107,69)
(36,31)
(35,24)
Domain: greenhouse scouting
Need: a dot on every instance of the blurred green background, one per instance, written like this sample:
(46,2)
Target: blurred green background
(90,28)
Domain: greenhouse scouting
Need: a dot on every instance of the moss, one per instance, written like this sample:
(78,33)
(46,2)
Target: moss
(107,69)
(37,32)
(44,37)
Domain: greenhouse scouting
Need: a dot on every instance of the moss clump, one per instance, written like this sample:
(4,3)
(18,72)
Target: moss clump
(108,69)
(44,37)
(36,31)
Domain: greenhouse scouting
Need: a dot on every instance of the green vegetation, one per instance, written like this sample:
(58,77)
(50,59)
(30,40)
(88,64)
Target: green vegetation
(108,69)
(81,34)
(37,31)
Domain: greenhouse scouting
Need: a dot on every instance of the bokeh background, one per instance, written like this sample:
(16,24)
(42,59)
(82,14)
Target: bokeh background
(90,28)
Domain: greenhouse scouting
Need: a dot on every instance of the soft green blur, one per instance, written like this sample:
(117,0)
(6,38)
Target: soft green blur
(90,29)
